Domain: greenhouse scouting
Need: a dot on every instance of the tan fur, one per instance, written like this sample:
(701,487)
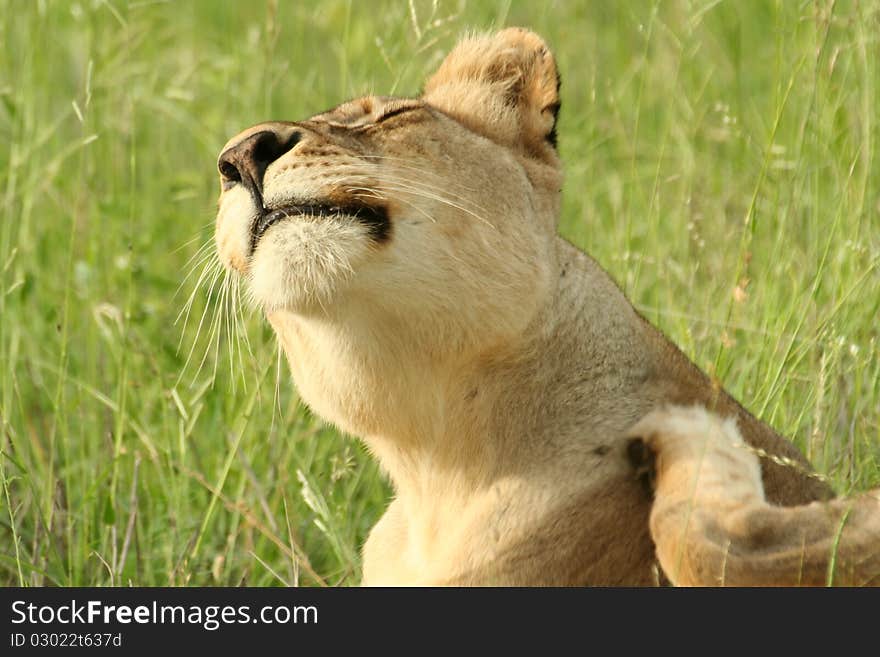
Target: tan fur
(491,367)
(713,526)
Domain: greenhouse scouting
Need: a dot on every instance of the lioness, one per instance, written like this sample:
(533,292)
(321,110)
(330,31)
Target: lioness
(405,252)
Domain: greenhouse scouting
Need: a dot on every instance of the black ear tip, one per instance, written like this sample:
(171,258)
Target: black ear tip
(553,109)
(552,137)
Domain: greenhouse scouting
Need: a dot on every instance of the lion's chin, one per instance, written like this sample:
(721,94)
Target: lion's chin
(304,264)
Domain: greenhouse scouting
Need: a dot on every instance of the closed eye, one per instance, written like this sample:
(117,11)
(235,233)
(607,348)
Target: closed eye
(396,111)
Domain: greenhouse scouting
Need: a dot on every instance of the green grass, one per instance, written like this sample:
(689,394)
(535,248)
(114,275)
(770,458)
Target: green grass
(708,145)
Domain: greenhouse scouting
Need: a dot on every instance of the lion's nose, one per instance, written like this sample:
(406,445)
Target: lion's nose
(246,160)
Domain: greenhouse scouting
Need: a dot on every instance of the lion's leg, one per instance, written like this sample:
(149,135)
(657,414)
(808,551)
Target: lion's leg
(713,527)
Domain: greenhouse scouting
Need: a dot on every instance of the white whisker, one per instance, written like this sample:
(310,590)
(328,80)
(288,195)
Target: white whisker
(403,187)
(416,188)
(206,256)
(211,266)
(217,271)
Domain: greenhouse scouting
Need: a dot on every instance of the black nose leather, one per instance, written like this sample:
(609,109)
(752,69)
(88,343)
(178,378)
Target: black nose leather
(247,160)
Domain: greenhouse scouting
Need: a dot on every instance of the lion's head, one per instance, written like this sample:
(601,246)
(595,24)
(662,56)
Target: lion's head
(422,209)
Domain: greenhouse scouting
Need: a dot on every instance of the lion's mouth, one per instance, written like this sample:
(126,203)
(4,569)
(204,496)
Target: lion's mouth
(375,217)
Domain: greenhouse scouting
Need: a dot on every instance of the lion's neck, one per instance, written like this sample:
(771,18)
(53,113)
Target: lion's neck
(471,418)
(425,416)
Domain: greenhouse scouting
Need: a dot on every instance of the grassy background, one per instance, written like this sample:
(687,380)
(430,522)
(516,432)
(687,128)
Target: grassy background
(721,163)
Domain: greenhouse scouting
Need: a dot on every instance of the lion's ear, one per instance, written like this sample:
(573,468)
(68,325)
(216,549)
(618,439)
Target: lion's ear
(503,86)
